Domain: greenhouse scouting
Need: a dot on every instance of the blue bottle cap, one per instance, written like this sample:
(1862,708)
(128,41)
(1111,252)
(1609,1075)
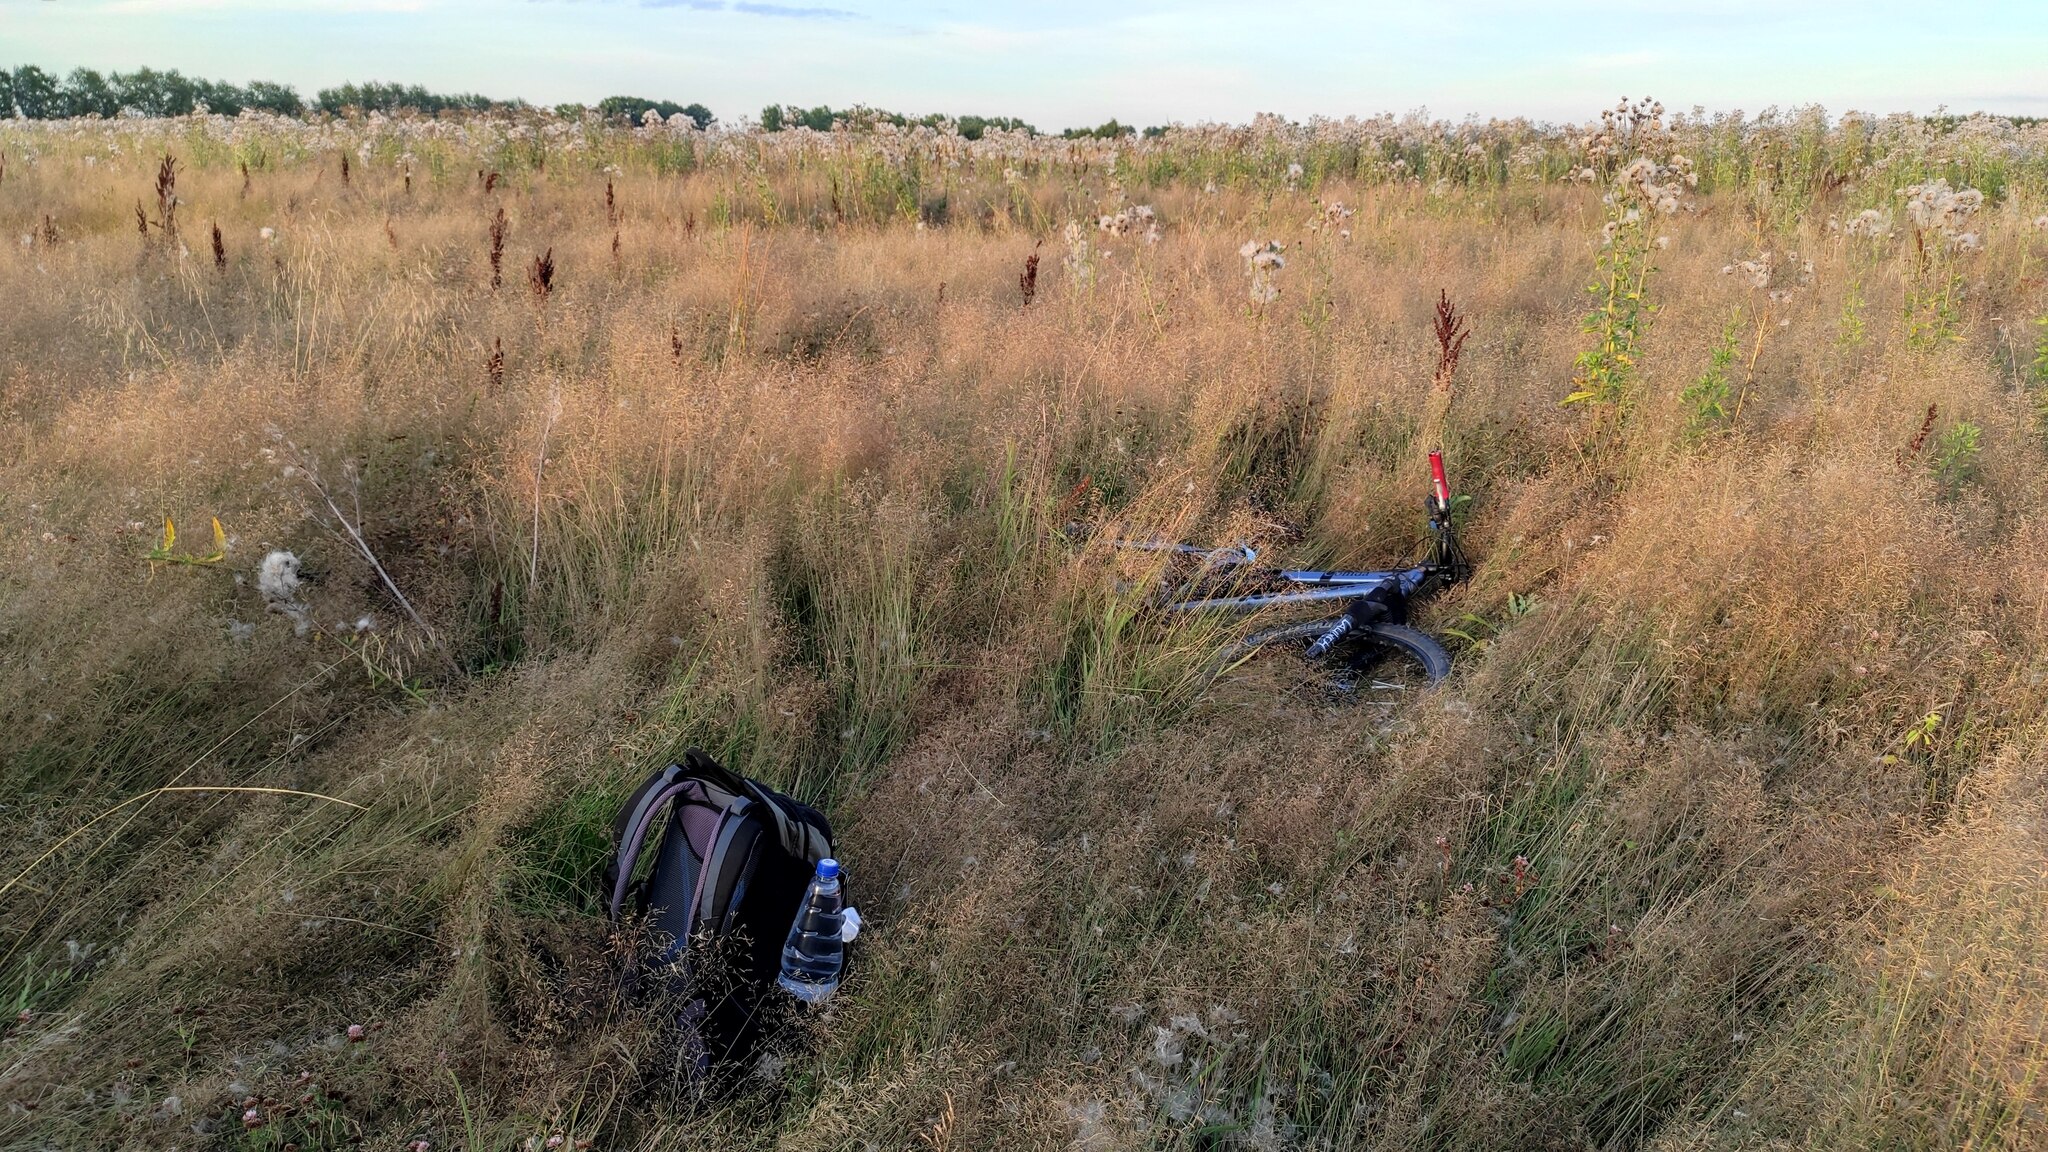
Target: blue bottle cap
(828,868)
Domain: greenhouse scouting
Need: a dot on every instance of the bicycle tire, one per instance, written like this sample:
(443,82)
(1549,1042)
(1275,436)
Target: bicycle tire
(1416,645)
(1400,638)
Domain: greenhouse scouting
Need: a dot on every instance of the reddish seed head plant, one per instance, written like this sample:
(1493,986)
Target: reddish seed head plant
(1027,283)
(1450,330)
(497,249)
(167,200)
(1913,448)
(540,276)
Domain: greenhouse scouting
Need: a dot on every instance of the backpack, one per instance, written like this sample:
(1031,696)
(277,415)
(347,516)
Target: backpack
(729,868)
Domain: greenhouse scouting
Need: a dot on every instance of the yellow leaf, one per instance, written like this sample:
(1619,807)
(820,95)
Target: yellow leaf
(170,535)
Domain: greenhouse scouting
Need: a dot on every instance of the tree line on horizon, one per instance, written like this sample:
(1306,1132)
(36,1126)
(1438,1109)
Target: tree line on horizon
(32,93)
(776,117)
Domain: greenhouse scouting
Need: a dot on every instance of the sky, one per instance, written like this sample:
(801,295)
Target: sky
(1063,63)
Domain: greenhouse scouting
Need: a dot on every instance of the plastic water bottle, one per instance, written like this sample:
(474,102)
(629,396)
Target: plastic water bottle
(815,954)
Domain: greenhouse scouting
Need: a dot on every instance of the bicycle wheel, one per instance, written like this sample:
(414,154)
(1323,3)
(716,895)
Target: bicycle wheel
(1358,651)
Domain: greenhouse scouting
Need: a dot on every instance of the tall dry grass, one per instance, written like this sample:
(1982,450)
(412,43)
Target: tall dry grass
(1680,857)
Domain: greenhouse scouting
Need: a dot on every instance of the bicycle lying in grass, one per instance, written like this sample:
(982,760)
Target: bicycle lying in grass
(1373,626)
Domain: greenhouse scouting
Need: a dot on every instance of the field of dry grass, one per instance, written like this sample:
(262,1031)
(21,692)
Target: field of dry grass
(1727,832)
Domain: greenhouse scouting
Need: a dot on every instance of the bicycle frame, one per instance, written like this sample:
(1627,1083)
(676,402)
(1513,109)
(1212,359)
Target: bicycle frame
(1318,586)
(1446,565)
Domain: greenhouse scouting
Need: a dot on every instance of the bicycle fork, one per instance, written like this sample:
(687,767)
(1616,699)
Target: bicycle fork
(1360,611)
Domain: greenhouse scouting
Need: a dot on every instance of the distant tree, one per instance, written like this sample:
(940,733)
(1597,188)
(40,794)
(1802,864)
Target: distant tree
(776,117)
(30,92)
(1155,131)
(819,119)
(280,99)
(35,93)
(635,109)
(972,127)
(376,96)
(87,93)
(155,93)
(1108,130)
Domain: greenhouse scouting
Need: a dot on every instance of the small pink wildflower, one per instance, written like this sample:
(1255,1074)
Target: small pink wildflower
(355,1033)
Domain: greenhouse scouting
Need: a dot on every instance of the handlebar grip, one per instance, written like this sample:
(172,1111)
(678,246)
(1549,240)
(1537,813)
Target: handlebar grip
(1439,482)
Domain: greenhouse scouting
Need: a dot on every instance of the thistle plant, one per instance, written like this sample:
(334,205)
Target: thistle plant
(2037,375)
(2037,372)
(1263,262)
(1954,460)
(166,550)
(1865,232)
(1774,282)
(1850,327)
(1706,399)
(1934,286)
(1080,258)
(1606,376)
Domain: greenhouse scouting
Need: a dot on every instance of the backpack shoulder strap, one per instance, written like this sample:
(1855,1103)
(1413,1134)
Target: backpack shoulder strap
(629,833)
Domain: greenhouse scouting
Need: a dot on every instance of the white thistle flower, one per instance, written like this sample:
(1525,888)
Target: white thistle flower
(277,579)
